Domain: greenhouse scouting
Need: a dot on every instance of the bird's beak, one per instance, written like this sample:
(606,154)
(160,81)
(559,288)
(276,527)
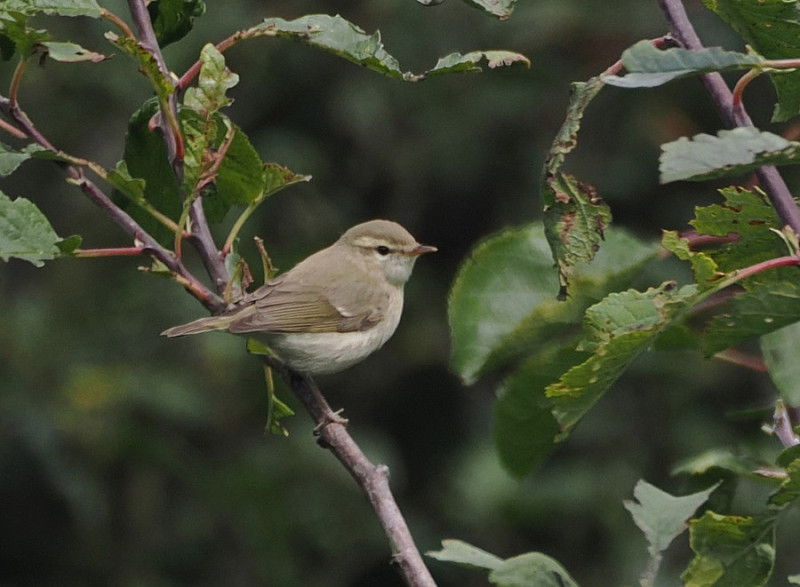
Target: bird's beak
(421,250)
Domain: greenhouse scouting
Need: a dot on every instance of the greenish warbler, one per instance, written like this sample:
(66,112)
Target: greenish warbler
(332,309)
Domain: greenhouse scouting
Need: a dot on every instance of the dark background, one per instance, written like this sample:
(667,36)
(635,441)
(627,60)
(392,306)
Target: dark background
(128,459)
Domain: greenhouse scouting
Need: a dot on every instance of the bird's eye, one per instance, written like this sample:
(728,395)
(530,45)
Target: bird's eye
(382,250)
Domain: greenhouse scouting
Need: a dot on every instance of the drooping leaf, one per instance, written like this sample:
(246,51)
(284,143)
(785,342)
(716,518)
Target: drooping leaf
(213,82)
(240,179)
(25,233)
(772,28)
(731,152)
(730,550)
(459,552)
(618,329)
(648,66)
(174,19)
(11,159)
(503,301)
(575,222)
(532,568)
(341,37)
(70,53)
(575,217)
(780,355)
(661,516)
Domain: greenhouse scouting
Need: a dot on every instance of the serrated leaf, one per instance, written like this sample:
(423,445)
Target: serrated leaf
(174,19)
(648,66)
(213,82)
(704,267)
(730,550)
(341,37)
(70,53)
(661,516)
(532,568)
(501,9)
(11,159)
(524,428)
(25,233)
(731,152)
(462,553)
(772,28)
(780,355)
(88,8)
(618,329)
(277,177)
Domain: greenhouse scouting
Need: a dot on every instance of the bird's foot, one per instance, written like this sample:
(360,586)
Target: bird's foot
(330,418)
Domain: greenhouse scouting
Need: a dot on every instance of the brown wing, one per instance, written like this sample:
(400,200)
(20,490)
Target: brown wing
(292,305)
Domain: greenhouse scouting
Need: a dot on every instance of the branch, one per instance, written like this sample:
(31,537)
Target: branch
(171,134)
(373,479)
(732,113)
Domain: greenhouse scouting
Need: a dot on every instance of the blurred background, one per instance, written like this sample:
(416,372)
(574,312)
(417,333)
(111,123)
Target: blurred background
(128,459)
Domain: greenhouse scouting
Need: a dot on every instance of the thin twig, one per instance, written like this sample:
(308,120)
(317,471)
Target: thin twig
(732,114)
(373,479)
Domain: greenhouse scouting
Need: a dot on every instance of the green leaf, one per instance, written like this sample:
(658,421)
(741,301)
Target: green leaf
(459,552)
(145,158)
(10,159)
(780,355)
(649,66)
(618,329)
(731,152)
(120,178)
(715,459)
(341,37)
(772,28)
(214,80)
(68,246)
(25,233)
(503,302)
(661,516)
(532,568)
(501,9)
(575,222)
(174,19)
(335,35)
(88,8)
(730,550)
(458,63)
(240,179)
(789,491)
(70,53)
(575,217)
(147,64)
(524,428)
(277,177)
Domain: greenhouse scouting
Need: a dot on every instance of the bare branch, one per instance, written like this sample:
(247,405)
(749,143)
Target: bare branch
(373,479)
(732,113)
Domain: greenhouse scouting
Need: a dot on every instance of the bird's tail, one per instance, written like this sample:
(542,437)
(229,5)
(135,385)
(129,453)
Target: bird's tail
(197,326)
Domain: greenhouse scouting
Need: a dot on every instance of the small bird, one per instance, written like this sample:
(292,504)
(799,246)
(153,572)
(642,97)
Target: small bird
(334,308)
